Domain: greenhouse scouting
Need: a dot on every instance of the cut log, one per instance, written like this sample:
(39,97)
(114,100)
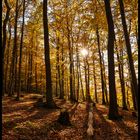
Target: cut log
(90,129)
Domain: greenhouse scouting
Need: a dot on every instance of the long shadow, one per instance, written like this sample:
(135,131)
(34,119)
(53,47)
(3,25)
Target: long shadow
(73,109)
(130,131)
(85,126)
(48,131)
(127,116)
(40,112)
(102,129)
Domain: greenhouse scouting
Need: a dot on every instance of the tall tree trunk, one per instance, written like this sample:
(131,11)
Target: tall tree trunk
(62,72)
(14,54)
(94,76)
(36,74)
(86,68)
(78,75)
(1,56)
(113,109)
(101,66)
(56,90)
(71,66)
(20,54)
(58,68)
(121,76)
(129,52)
(16,72)
(49,98)
(104,78)
(26,71)
(88,81)
(7,59)
(4,35)
(132,90)
(81,83)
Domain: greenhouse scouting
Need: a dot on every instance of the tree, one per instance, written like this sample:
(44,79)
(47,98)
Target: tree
(113,109)
(4,31)
(49,97)
(101,66)
(1,52)
(121,76)
(14,54)
(129,52)
(20,58)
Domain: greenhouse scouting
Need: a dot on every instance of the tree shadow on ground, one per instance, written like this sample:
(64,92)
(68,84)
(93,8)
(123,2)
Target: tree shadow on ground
(103,129)
(127,130)
(73,109)
(31,113)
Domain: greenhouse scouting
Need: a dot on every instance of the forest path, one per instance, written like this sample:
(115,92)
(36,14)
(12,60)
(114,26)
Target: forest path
(22,120)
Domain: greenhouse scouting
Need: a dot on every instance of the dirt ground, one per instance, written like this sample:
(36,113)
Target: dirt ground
(22,120)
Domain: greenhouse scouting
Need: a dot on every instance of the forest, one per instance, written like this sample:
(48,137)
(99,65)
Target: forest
(69,69)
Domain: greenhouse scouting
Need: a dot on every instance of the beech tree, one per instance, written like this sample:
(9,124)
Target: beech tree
(128,46)
(113,109)
(49,97)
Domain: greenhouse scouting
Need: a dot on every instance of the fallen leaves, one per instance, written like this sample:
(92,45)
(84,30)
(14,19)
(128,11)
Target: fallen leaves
(21,120)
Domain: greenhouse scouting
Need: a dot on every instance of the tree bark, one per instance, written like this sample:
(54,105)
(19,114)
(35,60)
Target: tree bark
(94,76)
(101,66)
(129,52)
(7,59)
(20,57)
(36,66)
(121,76)
(14,54)
(49,98)
(113,109)
(1,52)
(4,35)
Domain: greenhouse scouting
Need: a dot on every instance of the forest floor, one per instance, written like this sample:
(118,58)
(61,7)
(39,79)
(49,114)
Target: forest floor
(22,120)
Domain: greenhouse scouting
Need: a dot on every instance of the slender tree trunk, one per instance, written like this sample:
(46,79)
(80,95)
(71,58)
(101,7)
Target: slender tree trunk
(82,88)
(62,72)
(1,56)
(14,54)
(95,86)
(16,72)
(78,75)
(132,90)
(20,55)
(101,67)
(71,66)
(104,78)
(36,67)
(26,71)
(4,35)
(113,109)
(56,90)
(49,97)
(129,52)
(121,76)
(29,73)
(88,81)
(86,68)
(58,68)
(7,60)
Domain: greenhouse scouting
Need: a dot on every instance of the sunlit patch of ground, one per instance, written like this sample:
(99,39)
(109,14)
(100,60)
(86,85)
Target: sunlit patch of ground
(22,120)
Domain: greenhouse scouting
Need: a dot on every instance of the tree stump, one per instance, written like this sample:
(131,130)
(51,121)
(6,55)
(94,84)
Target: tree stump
(64,118)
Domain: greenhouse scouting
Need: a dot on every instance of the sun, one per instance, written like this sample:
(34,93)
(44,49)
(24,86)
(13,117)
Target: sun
(84,52)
